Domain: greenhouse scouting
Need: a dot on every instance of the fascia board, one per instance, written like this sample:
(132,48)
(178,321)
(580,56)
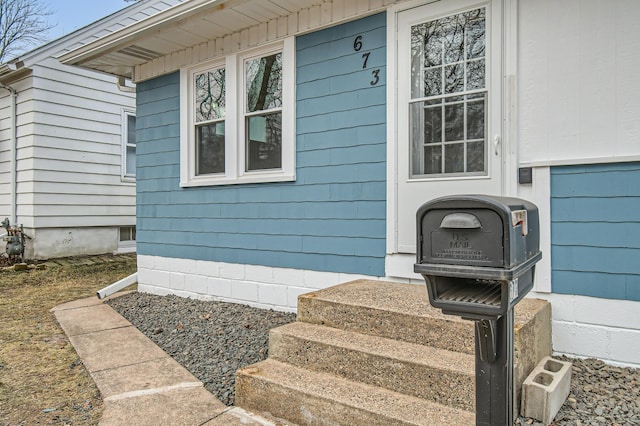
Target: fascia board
(127,35)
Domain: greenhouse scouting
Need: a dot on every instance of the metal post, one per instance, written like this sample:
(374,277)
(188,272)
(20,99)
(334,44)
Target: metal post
(494,371)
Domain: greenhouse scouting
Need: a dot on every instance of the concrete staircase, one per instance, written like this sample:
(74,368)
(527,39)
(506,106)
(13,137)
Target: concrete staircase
(376,353)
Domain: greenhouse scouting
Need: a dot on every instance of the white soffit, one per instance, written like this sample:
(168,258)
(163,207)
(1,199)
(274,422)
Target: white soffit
(180,27)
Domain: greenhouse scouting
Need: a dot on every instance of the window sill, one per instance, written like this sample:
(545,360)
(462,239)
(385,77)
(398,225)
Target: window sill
(246,179)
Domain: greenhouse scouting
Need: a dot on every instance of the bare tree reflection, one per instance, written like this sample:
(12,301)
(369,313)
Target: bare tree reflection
(448,94)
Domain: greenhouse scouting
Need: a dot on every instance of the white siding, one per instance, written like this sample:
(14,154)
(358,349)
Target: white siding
(69,146)
(74,160)
(24,114)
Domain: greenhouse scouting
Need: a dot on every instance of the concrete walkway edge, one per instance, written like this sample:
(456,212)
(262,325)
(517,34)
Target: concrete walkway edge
(139,382)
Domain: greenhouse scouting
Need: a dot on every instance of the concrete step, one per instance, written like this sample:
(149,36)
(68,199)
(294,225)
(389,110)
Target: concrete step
(387,309)
(435,374)
(403,312)
(305,397)
(377,353)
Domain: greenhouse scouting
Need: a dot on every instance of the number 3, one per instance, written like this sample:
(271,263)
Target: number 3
(376,77)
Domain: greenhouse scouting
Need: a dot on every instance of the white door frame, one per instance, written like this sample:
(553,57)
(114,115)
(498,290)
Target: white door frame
(398,265)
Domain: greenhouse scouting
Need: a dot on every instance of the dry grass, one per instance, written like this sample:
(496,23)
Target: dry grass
(42,380)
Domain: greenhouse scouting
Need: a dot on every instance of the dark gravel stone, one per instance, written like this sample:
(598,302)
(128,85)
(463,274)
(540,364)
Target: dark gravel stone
(215,339)
(210,339)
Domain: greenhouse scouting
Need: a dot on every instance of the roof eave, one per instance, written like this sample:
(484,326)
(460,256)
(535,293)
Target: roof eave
(126,36)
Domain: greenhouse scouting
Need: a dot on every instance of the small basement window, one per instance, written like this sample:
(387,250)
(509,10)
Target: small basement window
(127,233)
(126,239)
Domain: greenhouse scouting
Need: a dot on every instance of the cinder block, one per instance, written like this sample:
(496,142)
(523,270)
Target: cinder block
(258,273)
(272,294)
(288,276)
(207,268)
(218,287)
(232,271)
(545,389)
(245,291)
(196,284)
(176,281)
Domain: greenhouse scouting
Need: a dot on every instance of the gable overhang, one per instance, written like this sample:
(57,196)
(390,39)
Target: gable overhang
(178,29)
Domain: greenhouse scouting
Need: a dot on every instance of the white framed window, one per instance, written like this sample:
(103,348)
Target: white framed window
(126,239)
(238,124)
(128,144)
(127,234)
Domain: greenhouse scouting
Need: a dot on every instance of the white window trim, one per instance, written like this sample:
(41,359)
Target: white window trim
(126,112)
(235,148)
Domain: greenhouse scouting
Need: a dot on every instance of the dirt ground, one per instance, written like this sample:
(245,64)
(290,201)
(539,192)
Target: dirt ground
(42,380)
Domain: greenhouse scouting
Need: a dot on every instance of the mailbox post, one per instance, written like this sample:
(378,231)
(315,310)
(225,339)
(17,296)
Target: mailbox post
(477,254)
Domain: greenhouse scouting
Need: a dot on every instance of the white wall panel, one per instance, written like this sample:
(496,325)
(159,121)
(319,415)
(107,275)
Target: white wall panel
(578,88)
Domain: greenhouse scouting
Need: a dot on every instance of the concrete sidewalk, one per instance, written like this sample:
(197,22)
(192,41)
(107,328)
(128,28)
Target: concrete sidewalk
(140,383)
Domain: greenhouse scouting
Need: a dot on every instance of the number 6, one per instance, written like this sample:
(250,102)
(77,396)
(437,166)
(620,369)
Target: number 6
(357,43)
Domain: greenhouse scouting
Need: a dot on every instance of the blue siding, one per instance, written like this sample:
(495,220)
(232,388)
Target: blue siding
(595,230)
(332,218)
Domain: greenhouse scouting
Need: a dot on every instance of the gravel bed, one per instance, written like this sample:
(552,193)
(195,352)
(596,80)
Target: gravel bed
(210,339)
(214,339)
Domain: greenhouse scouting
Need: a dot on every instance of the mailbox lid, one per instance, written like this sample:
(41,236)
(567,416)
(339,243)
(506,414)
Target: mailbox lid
(462,236)
(520,238)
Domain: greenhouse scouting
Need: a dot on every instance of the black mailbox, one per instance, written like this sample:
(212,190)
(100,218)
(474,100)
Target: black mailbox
(477,254)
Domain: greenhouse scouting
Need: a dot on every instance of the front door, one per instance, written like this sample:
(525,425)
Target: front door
(449,101)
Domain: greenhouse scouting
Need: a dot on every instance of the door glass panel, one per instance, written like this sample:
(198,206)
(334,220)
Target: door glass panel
(475,119)
(475,156)
(448,96)
(433,81)
(433,158)
(454,158)
(454,122)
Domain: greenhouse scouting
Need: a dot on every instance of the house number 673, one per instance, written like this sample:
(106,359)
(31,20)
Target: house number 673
(357,46)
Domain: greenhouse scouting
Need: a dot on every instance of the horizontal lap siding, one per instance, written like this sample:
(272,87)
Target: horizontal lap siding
(70,173)
(332,218)
(595,230)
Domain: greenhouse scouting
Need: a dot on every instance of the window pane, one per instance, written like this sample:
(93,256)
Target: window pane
(432,160)
(131,129)
(475,75)
(454,76)
(210,148)
(475,32)
(475,157)
(264,83)
(433,81)
(210,95)
(264,142)
(475,120)
(131,161)
(454,158)
(127,233)
(453,29)
(433,124)
(454,122)
(432,44)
